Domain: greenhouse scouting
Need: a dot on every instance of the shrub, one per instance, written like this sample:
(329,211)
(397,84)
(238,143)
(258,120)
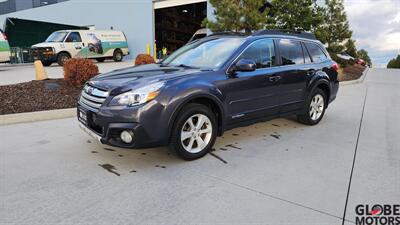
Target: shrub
(78,71)
(142,59)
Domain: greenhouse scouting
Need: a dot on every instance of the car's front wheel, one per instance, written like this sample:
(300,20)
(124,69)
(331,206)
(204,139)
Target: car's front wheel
(62,58)
(46,62)
(315,108)
(194,132)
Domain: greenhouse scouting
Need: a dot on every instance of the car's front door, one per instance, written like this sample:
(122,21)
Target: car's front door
(74,45)
(293,75)
(253,94)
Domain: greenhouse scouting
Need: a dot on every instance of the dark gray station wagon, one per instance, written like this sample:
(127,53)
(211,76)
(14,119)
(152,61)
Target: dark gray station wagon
(207,87)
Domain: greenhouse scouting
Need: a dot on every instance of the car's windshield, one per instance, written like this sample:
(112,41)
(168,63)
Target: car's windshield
(209,54)
(57,37)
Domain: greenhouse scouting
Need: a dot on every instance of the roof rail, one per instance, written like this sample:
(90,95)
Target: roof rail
(294,33)
(228,33)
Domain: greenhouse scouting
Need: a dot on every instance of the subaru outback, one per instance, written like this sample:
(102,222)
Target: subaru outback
(209,86)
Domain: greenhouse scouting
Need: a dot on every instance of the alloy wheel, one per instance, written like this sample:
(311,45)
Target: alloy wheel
(196,133)
(317,107)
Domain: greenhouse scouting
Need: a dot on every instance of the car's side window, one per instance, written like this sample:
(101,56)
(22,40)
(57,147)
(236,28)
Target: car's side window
(74,37)
(262,52)
(291,52)
(316,52)
(307,57)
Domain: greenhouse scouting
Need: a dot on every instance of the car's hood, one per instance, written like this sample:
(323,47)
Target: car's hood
(43,44)
(139,76)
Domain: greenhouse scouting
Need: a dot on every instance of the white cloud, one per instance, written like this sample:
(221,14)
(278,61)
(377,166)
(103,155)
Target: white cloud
(376,27)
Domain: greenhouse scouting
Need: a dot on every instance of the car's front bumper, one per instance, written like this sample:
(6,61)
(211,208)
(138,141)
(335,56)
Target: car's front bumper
(334,91)
(107,125)
(44,54)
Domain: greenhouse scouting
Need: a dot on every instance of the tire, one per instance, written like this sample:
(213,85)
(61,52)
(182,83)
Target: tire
(118,55)
(100,59)
(190,147)
(62,58)
(46,62)
(314,114)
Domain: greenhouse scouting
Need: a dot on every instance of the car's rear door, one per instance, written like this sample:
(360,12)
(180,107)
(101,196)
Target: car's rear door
(253,94)
(292,75)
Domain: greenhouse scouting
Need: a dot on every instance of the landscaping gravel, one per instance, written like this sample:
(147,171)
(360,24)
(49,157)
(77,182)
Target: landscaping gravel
(38,96)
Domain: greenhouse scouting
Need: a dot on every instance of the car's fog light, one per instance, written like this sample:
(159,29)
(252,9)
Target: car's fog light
(127,136)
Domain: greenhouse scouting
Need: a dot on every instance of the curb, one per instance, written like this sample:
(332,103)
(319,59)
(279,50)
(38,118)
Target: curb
(37,116)
(359,80)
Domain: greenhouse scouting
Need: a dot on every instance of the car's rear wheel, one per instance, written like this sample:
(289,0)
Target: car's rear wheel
(194,132)
(118,55)
(315,108)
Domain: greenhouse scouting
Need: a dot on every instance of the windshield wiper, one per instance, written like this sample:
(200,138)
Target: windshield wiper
(162,65)
(187,66)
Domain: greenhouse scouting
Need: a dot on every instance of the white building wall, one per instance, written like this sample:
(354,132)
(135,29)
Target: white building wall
(133,17)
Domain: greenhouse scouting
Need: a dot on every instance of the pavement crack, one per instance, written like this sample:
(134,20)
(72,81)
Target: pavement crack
(354,157)
(276,197)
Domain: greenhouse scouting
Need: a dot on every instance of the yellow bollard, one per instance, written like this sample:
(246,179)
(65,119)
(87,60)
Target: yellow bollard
(148,49)
(155,52)
(39,70)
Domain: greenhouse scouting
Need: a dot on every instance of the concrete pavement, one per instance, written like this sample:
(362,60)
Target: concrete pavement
(277,172)
(12,74)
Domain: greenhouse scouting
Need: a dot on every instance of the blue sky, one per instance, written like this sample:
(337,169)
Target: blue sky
(376,27)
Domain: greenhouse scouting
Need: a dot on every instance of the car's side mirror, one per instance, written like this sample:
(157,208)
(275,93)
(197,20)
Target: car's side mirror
(244,65)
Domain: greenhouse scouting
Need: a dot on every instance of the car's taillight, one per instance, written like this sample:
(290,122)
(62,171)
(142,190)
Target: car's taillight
(335,67)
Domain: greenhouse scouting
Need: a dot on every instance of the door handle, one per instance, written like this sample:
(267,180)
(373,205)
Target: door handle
(274,78)
(310,72)
(78,47)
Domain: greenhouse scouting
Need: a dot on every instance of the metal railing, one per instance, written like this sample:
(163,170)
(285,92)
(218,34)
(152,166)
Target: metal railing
(21,55)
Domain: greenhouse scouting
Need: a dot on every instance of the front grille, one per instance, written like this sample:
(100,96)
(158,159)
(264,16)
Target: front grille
(92,97)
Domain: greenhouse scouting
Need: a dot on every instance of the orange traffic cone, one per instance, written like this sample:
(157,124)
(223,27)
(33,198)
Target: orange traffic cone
(40,72)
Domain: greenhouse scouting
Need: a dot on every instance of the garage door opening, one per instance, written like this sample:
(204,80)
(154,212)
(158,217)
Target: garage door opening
(174,26)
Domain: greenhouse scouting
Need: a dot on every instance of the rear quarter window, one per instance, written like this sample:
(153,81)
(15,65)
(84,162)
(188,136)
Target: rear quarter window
(316,52)
(291,52)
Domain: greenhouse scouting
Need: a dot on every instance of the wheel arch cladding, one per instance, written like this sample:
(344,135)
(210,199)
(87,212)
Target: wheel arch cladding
(66,52)
(203,99)
(325,88)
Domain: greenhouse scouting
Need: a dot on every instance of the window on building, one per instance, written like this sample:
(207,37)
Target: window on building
(74,37)
(262,52)
(291,52)
(316,52)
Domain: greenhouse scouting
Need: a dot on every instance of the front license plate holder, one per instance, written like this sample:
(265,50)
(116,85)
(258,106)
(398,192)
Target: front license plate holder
(83,117)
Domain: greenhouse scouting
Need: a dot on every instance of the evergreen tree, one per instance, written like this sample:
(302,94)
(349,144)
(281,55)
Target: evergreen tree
(337,28)
(305,15)
(350,47)
(238,15)
(394,63)
(363,54)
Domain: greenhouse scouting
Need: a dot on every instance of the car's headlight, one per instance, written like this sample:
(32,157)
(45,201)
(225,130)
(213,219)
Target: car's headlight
(138,96)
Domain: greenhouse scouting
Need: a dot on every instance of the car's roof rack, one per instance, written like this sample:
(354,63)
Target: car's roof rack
(295,33)
(229,33)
